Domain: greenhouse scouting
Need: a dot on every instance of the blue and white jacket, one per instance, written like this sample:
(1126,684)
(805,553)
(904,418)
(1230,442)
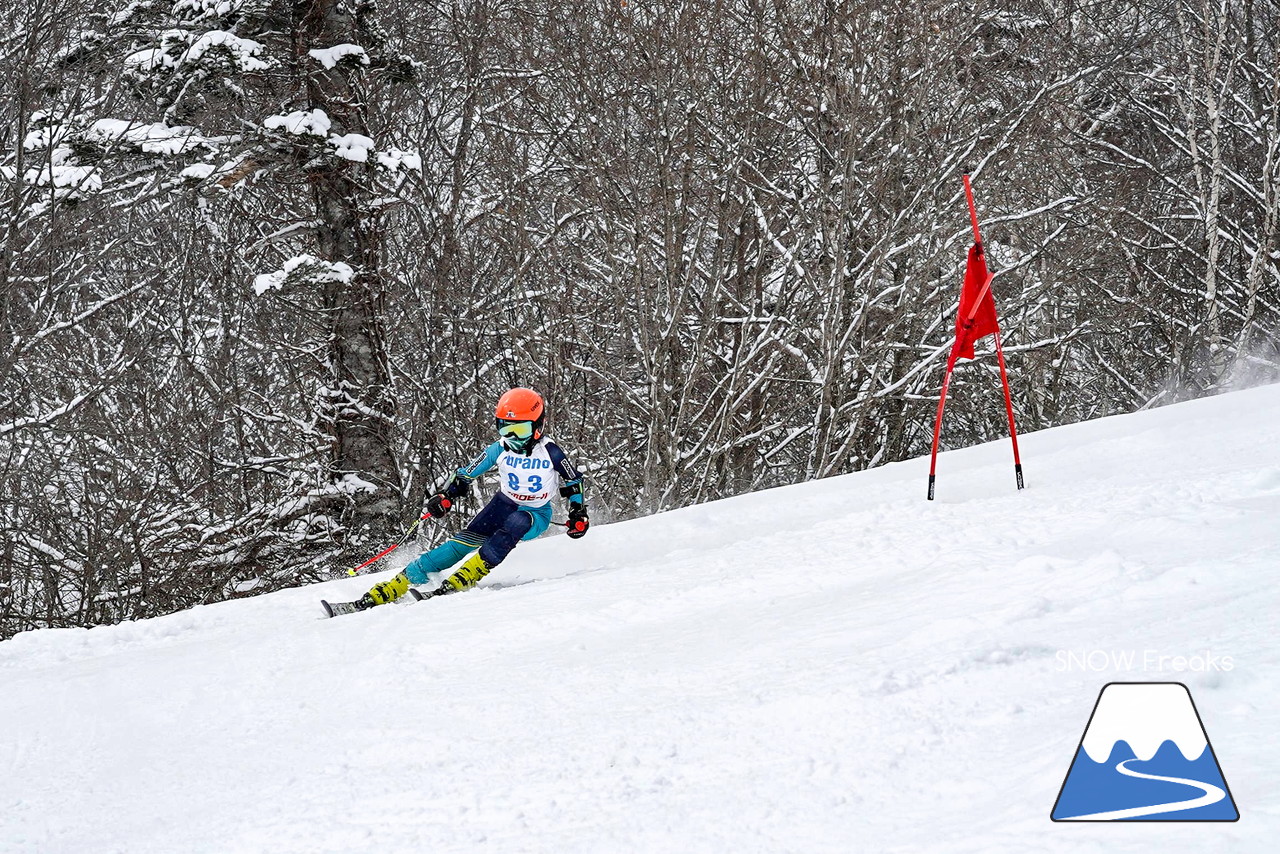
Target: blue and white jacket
(527,479)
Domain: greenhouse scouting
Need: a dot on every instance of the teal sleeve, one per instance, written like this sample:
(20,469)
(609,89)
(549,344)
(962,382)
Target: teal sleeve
(460,484)
(481,464)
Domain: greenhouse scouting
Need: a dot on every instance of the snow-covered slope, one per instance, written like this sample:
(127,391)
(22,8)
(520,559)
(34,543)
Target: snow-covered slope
(837,666)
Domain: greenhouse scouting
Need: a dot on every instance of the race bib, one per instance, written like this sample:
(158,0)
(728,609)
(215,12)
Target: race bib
(527,480)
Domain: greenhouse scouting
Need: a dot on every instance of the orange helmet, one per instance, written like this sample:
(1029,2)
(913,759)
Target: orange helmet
(521,404)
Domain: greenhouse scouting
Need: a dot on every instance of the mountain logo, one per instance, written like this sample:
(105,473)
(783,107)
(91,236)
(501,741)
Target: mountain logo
(1145,756)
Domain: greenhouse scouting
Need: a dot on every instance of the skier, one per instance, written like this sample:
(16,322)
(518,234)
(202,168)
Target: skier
(529,464)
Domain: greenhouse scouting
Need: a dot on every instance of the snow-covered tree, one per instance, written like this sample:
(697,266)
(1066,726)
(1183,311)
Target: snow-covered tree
(259,109)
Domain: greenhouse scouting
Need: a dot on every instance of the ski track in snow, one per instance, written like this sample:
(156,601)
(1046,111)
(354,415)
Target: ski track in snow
(837,666)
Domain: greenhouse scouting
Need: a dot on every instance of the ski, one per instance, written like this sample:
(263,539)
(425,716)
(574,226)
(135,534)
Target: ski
(418,595)
(337,609)
(334,609)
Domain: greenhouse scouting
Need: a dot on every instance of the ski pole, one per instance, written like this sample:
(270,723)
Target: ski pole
(404,538)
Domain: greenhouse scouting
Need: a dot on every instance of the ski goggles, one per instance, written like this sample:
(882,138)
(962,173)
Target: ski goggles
(515,429)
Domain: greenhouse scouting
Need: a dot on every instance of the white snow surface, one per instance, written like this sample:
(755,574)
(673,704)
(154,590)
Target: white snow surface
(838,666)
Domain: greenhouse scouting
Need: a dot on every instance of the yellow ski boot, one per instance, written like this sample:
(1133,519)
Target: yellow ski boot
(468,575)
(384,592)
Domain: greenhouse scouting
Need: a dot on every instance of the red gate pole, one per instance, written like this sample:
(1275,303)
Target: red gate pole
(1004,374)
(1008,407)
(962,336)
(955,349)
(973,212)
(937,424)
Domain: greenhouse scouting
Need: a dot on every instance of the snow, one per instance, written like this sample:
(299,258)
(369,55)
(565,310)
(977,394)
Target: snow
(352,483)
(42,138)
(394,159)
(244,52)
(314,122)
(126,12)
(199,9)
(352,146)
(330,57)
(155,138)
(197,171)
(70,181)
(831,667)
(145,60)
(315,269)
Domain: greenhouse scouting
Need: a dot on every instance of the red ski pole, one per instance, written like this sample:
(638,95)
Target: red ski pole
(404,538)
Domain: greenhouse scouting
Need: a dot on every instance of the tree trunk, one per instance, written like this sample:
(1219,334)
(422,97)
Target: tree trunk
(359,408)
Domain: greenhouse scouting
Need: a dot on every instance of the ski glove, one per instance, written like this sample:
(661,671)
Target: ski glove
(578,522)
(457,487)
(438,505)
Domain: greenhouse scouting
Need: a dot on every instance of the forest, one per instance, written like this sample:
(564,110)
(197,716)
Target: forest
(266,265)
